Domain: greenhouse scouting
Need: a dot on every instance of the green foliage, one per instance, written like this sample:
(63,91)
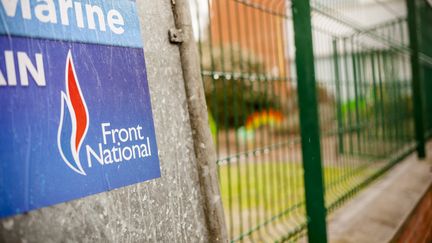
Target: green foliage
(232,101)
(236,84)
(350,106)
(388,103)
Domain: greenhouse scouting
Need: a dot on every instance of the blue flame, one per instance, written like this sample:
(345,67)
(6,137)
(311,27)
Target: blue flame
(65,130)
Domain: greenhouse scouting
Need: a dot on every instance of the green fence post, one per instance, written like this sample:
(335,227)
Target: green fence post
(375,95)
(425,32)
(355,68)
(309,122)
(341,130)
(416,78)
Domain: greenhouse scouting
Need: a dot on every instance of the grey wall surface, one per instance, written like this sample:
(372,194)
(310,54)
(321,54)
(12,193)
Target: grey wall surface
(167,209)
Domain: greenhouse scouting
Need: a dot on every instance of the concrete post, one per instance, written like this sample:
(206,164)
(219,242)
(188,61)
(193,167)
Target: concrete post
(203,142)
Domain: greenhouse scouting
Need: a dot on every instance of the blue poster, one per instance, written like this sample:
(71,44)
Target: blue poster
(76,117)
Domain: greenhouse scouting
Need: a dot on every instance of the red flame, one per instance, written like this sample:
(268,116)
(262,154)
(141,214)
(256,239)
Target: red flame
(77,105)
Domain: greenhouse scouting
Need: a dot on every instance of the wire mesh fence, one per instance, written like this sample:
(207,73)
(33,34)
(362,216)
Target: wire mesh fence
(366,72)
(363,76)
(254,116)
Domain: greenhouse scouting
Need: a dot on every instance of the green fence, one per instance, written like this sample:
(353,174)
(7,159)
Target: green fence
(424,29)
(290,119)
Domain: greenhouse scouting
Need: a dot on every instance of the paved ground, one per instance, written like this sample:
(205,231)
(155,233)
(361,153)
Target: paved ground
(377,212)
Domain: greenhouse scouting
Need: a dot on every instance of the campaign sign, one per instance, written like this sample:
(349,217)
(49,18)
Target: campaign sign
(76,117)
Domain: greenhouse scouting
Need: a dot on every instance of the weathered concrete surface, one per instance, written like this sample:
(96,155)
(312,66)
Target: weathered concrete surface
(167,209)
(376,214)
(203,142)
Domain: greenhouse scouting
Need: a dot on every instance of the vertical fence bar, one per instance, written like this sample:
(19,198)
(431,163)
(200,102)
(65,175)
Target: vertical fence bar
(416,78)
(425,17)
(355,68)
(348,95)
(375,96)
(338,97)
(309,126)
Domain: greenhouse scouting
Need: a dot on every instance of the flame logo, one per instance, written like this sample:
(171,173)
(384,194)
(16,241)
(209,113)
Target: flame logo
(74,119)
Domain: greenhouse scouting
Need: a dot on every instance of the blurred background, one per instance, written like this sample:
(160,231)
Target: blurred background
(364,93)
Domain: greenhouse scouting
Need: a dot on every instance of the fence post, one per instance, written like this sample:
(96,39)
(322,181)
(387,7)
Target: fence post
(416,79)
(309,122)
(341,130)
(425,29)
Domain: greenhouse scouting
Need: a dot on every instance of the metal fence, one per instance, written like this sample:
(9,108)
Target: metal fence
(363,94)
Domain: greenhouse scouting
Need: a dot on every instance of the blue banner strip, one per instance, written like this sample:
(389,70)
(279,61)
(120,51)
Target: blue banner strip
(87,21)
